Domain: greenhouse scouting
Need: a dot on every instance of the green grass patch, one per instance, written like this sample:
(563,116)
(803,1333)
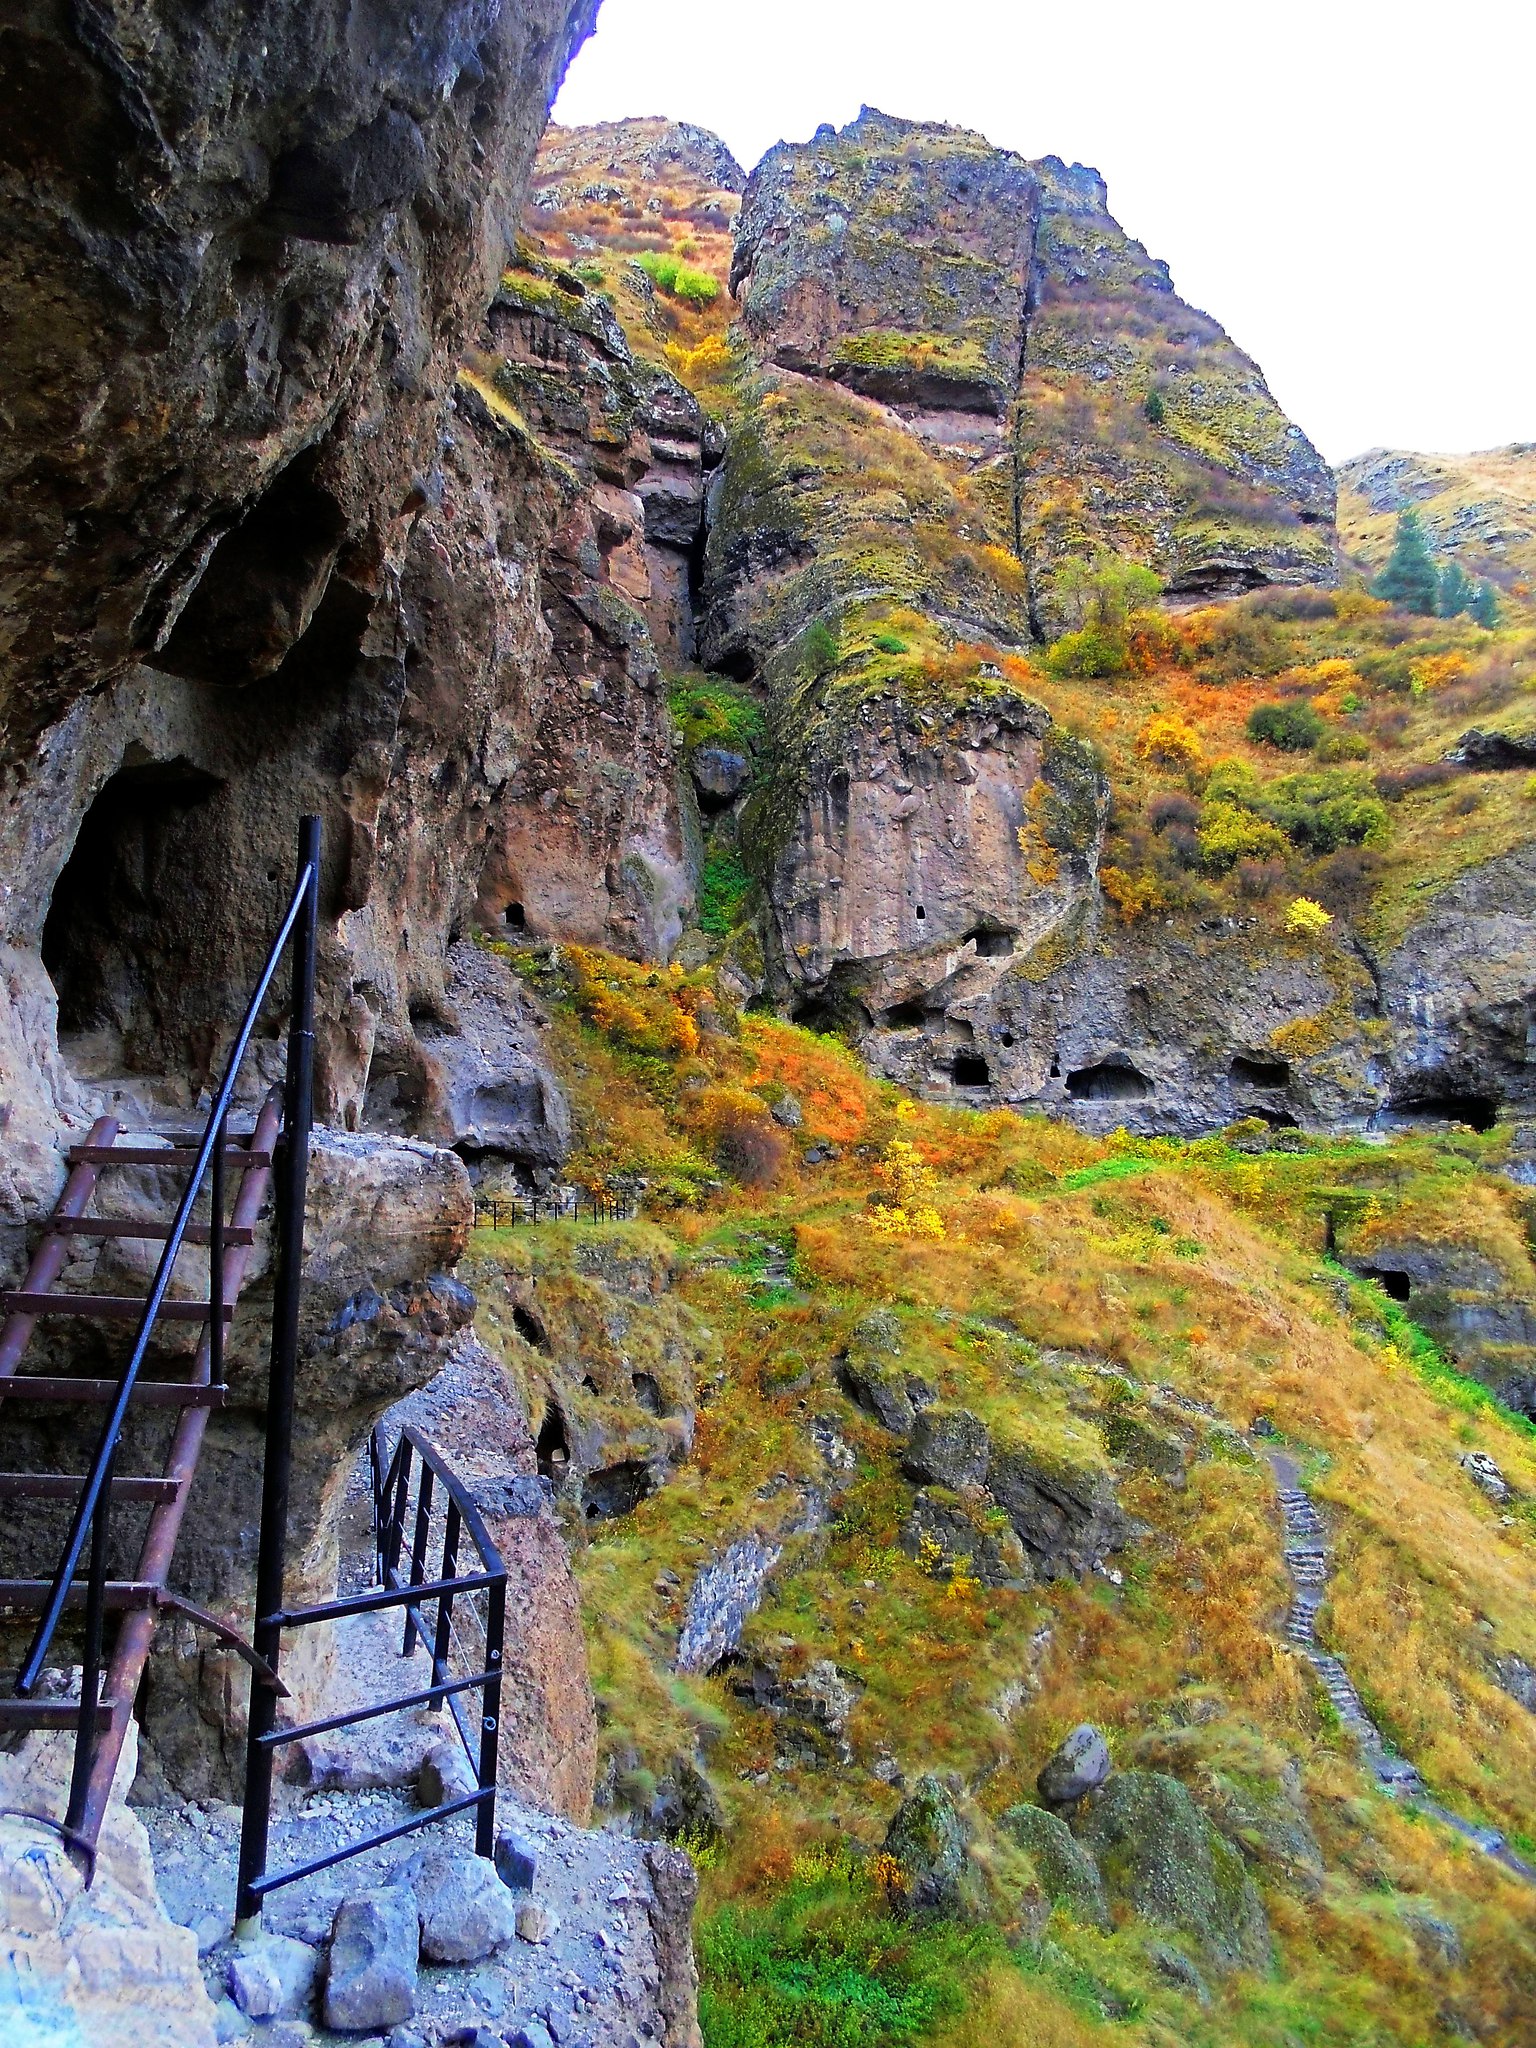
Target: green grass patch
(823,1964)
(723,888)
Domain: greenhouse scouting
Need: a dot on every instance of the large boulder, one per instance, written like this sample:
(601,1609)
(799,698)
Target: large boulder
(1067,1518)
(947,1447)
(1068,1875)
(372,1972)
(1159,1855)
(1079,1766)
(927,1841)
(964,1536)
(466,1912)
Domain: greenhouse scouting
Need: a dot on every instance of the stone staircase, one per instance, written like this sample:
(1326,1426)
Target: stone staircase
(1307,1560)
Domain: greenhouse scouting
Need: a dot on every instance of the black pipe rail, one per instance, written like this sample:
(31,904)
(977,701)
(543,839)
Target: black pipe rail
(88,1793)
(405,1489)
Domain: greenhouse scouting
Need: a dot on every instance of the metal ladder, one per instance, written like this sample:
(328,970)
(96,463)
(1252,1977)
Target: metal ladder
(238,1172)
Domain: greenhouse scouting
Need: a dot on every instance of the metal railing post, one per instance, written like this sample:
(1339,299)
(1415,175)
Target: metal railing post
(292,1180)
(490,1717)
(90,1670)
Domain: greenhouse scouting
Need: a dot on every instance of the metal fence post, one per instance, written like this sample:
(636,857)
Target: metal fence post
(271,1555)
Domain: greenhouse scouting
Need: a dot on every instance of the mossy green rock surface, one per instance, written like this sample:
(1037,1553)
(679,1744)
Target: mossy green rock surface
(927,1838)
(1067,1872)
(1159,1855)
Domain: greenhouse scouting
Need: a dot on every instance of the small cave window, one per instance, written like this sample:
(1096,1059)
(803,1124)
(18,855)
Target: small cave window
(905,1017)
(1005,1038)
(1257,1071)
(552,1450)
(1277,1119)
(1055,1068)
(1113,1080)
(515,918)
(647,1392)
(529,1328)
(1398,1285)
(616,1490)
(1480,1111)
(990,945)
(970,1070)
(921,911)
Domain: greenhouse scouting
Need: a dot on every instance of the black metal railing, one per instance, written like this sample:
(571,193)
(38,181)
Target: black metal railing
(582,1205)
(420,1509)
(88,1794)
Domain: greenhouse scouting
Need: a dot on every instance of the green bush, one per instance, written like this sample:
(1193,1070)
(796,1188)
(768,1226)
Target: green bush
(1318,811)
(822,648)
(723,887)
(1091,651)
(1228,833)
(1154,408)
(1295,728)
(671,275)
(710,711)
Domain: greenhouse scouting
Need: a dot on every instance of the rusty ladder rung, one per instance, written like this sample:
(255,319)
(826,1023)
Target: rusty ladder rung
(66,1486)
(146,1227)
(118,1308)
(26,1386)
(156,1155)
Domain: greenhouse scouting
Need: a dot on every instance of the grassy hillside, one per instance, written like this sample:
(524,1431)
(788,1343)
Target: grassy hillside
(1479,508)
(1120,1314)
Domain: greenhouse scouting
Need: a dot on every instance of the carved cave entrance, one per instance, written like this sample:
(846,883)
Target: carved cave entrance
(137,940)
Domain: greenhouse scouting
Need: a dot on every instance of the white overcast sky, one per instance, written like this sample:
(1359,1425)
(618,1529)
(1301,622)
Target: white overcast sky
(1349,186)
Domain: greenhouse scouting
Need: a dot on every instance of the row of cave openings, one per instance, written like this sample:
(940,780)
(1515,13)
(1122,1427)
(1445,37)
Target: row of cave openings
(611,1490)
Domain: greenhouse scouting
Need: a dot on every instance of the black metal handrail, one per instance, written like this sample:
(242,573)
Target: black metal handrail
(393,1510)
(93,1508)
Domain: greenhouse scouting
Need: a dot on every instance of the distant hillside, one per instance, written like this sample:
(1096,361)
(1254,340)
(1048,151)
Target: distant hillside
(1480,508)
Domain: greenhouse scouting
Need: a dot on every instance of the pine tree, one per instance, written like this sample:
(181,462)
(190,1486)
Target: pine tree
(1485,606)
(1456,590)
(1410,579)
(1154,408)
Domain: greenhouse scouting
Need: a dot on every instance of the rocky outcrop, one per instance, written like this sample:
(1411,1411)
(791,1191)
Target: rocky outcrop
(893,257)
(606,1358)
(925,854)
(80,1964)
(1158,1854)
(1145,429)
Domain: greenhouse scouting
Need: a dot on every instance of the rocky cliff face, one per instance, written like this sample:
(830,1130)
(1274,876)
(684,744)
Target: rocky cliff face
(306,577)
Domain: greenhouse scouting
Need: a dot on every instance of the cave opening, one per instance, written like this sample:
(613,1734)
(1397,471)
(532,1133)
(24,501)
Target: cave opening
(1258,1070)
(552,1449)
(136,955)
(922,913)
(815,1013)
(1389,1279)
(647,1392)
(529,1328)
(616,1489)
(264,584)
(1109,1080)
(1277,1119)
(1481,1112)
(515,918)
(970,1070)
(991,943)
(905,1017)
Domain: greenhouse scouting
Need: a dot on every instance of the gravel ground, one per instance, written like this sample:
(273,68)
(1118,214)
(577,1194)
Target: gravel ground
(592,1985)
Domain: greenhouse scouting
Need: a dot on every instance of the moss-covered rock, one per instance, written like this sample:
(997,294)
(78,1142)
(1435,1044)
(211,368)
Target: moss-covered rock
(927,1840)
(1068,1874)
(1160,1856)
